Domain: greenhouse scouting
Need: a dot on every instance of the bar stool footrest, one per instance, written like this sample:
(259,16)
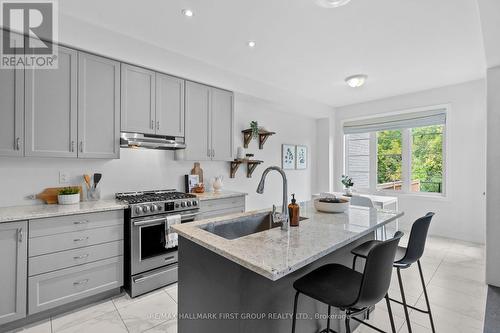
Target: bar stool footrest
(411,307)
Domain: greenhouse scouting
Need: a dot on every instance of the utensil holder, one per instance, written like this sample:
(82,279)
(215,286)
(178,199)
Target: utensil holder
(93,193)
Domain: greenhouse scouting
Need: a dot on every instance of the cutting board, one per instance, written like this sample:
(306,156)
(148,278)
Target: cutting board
(49,195)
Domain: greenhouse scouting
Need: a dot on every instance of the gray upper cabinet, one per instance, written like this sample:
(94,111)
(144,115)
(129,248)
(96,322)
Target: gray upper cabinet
(222,124)
(209,123)
(98,107)
(14,262)
(197,122)
(137,100)
(169,105)
(51,108)
(12,112)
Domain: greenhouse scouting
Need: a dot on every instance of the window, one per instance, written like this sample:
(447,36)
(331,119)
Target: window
(403,152)
(389,160)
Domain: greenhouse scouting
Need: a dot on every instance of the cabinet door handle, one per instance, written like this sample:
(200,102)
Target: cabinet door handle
(79,283)
(81,146)
(18,143)
(213,153)
(80,239)
(83,256)
(72,146)
(20,235)
(158,125)
(81,222)
(209,153)
(152,124)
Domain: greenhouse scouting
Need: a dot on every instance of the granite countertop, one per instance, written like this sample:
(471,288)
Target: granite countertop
(275,253)
(219,195)
(17,213)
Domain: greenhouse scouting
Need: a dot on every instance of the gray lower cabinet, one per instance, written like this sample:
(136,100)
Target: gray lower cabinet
(98,107)
(46,291)
(51,108)
(12,112)
(13,272)
(73,257)
(209,123)
(169,105)
(220,207)
(137,99)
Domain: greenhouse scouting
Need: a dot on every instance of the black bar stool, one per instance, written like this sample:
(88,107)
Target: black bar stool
(353,292)
(405,257)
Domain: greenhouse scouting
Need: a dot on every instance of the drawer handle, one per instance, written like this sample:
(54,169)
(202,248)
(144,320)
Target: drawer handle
(81,222)
(83,256)
(81,282)
(80,239)
(169,258)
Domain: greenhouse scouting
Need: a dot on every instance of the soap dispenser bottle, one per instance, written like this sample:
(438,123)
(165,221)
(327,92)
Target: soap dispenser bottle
(293,212)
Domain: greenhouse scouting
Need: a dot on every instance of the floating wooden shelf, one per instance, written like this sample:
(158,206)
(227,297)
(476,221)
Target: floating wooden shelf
(263,135)
(251,165)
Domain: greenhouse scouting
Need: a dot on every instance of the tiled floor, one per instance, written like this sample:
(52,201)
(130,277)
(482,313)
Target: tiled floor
(453,270)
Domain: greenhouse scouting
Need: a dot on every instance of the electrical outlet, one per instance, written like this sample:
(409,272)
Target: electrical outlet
(63,177)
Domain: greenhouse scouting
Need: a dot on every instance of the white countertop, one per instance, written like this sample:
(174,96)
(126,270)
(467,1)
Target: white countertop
(219,195)
(275,253)
(18,213)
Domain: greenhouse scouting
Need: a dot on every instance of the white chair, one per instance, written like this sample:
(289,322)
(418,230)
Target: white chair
(357,200)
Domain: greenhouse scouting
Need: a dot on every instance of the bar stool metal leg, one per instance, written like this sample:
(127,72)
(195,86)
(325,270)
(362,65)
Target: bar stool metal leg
(328,319)
(347,323)
(295,311)
(426,297)
(389,309)
(403,298)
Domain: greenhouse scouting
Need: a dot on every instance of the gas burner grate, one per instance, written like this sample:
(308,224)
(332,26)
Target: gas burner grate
(152,196)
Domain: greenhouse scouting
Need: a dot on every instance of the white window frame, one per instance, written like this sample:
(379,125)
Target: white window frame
(406,155)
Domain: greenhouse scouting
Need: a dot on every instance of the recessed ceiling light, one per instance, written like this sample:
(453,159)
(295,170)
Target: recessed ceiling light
(252,43)
(187,12)
(356,81)
(331,3)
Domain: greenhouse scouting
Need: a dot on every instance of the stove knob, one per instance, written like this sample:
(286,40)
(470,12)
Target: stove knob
(138,210)
(145,209)
(159,208)
(177,205)
(195,203)
(188,203)
(154,208)
(183,204)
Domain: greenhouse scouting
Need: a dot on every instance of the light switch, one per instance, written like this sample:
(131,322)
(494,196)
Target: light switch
(63,177)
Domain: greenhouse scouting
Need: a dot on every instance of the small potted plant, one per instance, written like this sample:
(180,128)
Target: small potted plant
(254,126)
(348,184)
(69,196)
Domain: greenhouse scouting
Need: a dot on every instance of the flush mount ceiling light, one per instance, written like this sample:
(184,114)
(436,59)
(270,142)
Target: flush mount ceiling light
(331,3)
(187,12)
(251,44)
(356,81)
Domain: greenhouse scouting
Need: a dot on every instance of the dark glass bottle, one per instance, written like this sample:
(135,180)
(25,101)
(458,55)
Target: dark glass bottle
(294,212)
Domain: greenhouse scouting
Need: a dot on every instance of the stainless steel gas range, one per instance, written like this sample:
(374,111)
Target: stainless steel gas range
(151,247)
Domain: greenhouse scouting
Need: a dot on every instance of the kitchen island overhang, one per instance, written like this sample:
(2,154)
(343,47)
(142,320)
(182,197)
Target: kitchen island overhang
(245,284)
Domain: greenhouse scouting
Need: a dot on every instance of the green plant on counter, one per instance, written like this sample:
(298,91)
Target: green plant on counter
(254,126)
(347,181)
(69,191)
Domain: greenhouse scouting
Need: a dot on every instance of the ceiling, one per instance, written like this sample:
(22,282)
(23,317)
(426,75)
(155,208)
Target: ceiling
(402,45)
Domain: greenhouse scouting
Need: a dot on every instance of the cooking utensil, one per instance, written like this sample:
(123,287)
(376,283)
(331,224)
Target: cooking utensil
(87,180)
(97,179)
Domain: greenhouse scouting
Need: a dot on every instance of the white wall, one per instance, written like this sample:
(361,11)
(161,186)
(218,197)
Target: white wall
(493,174)
(461,214)
(151,169)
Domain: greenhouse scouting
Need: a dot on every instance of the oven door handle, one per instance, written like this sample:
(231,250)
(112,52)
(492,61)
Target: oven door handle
(147,222)
(163,219)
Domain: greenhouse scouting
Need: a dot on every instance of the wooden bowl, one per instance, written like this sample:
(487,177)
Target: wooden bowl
(331,205)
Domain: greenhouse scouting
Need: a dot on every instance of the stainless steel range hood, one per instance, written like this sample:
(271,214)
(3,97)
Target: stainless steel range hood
(151,141)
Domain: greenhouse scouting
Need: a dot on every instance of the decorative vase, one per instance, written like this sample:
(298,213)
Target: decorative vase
(217,185)
(241,153)
(68,199)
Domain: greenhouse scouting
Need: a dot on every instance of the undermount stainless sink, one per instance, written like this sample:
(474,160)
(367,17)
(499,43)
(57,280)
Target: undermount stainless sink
(242,226)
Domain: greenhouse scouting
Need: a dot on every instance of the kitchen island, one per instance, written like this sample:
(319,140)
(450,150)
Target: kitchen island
(245,284)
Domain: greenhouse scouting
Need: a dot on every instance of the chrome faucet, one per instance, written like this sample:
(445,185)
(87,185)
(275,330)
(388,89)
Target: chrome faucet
(283,216)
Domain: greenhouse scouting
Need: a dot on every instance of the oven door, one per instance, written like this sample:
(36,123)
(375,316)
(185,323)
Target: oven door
(148,243)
